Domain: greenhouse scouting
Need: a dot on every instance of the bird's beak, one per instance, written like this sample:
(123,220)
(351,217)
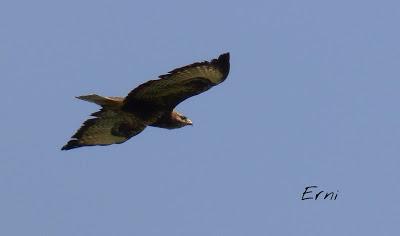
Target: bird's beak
(189,122)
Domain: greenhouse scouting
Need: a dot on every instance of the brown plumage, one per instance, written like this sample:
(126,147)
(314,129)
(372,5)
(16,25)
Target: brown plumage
(150,104)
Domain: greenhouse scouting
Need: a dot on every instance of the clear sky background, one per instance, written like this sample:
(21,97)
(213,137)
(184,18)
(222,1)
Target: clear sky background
(312,98)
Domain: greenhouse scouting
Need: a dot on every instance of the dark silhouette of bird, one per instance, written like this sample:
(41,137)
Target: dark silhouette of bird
(150,104)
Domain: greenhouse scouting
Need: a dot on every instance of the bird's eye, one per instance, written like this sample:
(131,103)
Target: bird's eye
(184,117)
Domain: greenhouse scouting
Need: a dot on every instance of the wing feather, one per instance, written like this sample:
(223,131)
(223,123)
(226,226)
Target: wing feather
(179,84)
(108,127)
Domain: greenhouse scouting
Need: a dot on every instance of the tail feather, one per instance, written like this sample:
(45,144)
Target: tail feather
(102,101)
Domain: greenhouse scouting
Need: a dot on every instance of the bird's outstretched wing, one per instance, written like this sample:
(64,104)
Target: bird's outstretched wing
(176,86)
(108,127)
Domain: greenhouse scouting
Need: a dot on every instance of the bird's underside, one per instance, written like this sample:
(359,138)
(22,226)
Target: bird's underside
(150,104)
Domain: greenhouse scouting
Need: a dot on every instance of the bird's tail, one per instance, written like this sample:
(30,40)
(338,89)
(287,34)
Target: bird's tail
(102,101)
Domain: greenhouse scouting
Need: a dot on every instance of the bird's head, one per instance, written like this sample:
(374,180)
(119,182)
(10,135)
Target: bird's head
(180,119)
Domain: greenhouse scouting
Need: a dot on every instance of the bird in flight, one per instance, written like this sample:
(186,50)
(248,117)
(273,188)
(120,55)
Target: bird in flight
(150,104)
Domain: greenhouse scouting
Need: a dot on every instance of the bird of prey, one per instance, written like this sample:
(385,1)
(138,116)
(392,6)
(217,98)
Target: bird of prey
(150,104)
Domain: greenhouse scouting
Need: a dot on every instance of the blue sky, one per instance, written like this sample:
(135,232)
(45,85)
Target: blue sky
(311,99)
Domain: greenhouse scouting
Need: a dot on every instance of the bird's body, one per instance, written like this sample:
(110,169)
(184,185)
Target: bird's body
(150,104)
